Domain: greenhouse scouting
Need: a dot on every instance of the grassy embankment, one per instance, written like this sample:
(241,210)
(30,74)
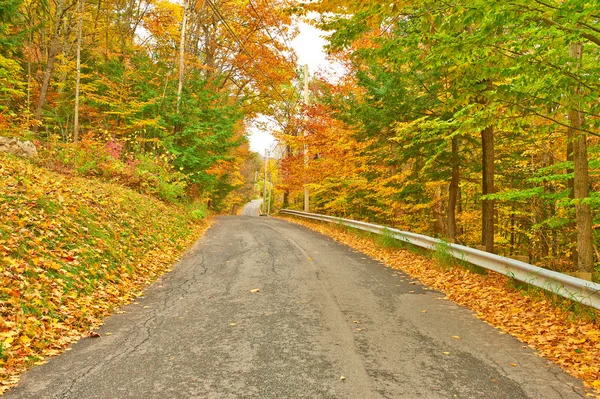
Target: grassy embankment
(71,250)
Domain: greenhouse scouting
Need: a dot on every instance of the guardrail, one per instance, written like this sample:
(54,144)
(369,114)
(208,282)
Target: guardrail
(585,292)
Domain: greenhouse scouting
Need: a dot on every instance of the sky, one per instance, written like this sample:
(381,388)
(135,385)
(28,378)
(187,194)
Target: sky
(308,46)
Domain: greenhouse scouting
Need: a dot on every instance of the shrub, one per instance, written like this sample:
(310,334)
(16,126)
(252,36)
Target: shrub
(148,174)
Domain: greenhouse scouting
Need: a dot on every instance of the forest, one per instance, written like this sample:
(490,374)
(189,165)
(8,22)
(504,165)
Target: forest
(473,121)
(153,94)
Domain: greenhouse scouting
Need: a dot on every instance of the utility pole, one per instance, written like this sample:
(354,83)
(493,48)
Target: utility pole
(270,196)
(265,181)
(306,197)
(255,187)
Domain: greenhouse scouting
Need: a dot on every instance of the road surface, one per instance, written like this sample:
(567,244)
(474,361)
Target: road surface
(252,208)
(327,322)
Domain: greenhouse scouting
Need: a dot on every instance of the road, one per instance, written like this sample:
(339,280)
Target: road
(327,322)
(252,208)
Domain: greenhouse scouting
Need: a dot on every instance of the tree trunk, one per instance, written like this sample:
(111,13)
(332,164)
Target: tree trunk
(54,49)
(487,206)
(453,191)
(78,78)
(460,229)
(29,73)
(581,181)
(438,213)
(182,55)
(512,232)
(571,227)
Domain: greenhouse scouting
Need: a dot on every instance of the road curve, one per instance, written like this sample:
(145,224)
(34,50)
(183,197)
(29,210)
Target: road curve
(327,322)
(252,208)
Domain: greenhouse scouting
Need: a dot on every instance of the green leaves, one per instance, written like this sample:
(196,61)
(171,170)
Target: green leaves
(429,77)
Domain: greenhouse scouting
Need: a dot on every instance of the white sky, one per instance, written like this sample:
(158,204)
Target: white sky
(308,46)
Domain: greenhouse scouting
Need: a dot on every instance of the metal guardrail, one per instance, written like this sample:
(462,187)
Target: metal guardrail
(585,292)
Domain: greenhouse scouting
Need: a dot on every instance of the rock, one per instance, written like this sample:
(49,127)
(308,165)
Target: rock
(17,147)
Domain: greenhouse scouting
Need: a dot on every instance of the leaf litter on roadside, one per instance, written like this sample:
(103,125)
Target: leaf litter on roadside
(70,253)
(568,340)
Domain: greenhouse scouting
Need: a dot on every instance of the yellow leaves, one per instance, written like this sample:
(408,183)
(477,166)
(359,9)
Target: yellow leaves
(24,339)
(577,341)
(60,275)
(54,266)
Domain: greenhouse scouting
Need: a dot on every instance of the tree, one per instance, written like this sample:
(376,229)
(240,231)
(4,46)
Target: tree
(448,94)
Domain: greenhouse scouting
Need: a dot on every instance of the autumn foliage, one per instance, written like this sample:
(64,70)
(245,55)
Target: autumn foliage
(167,85)
(71,250)
(472,121)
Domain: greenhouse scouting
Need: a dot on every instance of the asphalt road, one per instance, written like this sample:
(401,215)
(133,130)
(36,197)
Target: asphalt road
(322,312)
(252,208)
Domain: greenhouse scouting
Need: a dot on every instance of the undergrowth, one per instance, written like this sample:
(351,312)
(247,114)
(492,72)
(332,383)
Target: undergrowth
(146,173)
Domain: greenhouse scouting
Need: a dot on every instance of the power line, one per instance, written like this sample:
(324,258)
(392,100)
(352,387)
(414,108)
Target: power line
(271,37)
(283,36)
(285,39)
(245,50)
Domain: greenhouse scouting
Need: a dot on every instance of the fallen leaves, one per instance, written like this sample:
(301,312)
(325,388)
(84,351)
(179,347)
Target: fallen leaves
(71,250)
(570,341)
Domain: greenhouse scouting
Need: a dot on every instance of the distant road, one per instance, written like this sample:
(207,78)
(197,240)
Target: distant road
(252,208)
(263,308)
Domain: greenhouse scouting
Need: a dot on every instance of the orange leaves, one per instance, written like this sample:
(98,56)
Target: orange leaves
(336,161)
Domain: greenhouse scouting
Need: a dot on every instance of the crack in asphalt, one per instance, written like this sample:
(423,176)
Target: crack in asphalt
(338,313)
